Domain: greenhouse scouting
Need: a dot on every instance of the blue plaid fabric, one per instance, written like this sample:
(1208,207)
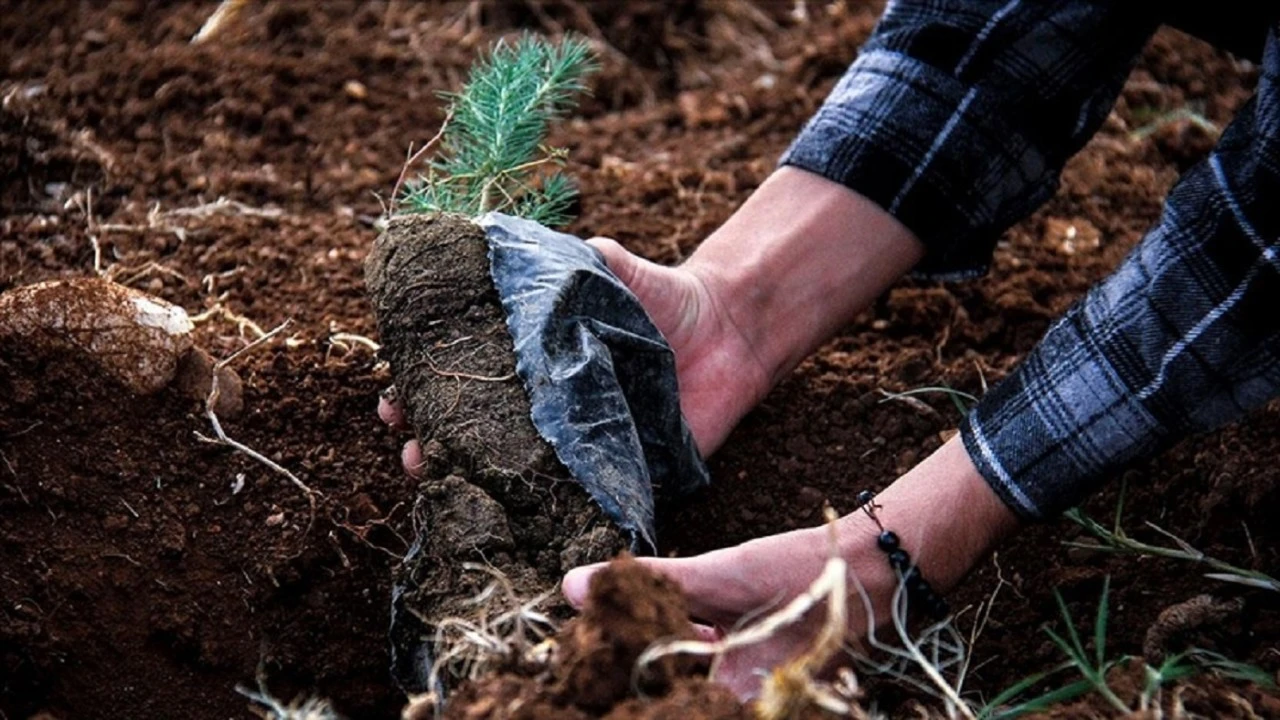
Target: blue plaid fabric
(957,117)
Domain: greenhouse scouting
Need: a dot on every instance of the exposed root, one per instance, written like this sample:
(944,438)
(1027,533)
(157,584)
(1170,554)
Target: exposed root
(345,341)
(311,708)
(242,323)
(468,648)
(224,206)
(361,532)
(934,651)
(412,157)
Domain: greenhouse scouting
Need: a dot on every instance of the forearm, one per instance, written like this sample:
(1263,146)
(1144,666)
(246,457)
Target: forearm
(943,511)
(800,258)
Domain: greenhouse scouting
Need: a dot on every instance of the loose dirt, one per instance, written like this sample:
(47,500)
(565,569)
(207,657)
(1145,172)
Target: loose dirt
(144,573)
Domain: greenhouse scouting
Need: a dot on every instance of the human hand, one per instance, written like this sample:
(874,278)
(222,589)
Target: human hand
(800,257)
(946,517)
(720,373)
(726,588)
(720,376)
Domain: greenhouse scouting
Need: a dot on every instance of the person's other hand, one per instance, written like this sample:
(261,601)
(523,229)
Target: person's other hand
(943,512)
(720,376)
(726,587)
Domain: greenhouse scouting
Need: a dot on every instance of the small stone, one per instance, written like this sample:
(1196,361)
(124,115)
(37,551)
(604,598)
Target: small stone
(276,519)
(355,90)
(888,541)
(811,497)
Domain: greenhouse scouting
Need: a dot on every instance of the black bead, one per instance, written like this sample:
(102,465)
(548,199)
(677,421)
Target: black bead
(899,560)
(864,498)
(888,541)
(917,586)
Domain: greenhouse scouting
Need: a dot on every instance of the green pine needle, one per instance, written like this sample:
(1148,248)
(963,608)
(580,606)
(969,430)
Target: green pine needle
(492,156)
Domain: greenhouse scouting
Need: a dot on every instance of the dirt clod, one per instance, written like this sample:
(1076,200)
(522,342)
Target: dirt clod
(592,673)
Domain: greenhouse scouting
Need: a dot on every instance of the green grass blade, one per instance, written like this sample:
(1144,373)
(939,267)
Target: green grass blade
(1074,649)
(1047,700)
(1100,623)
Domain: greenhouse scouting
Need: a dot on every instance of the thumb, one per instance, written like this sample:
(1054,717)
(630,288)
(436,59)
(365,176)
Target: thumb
(691,575)
(577,582)
(619,259)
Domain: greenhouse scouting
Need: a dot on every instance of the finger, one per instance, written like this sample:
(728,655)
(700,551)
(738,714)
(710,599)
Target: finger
(706,633)
(391,412)
(687,573)
(411,458)
(621,262)
(577,583)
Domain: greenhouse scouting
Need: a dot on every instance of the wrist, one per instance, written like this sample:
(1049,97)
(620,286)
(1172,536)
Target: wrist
(800,258)
(945,515)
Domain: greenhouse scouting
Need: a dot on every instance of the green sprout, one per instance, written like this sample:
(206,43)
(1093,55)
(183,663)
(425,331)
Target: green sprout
(1116,540)
(492,154)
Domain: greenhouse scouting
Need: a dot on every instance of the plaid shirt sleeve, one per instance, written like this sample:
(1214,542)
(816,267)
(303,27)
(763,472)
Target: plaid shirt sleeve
(958,115)
(1183,338)
(957,118)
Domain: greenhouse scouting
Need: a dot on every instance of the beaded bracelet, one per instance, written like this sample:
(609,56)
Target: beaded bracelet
(919,592)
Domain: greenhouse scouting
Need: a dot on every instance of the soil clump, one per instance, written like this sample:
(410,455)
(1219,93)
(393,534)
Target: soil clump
(494,494)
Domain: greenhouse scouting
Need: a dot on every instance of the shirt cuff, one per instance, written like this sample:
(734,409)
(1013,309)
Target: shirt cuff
(932,152)
(1053,430)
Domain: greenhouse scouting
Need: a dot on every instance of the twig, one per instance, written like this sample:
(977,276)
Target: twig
(221,436)
(413,157)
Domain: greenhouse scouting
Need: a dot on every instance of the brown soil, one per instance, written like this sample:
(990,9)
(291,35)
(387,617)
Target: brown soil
(135,582)
(495,493)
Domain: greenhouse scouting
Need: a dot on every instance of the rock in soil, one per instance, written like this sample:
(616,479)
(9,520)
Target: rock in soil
(115,332)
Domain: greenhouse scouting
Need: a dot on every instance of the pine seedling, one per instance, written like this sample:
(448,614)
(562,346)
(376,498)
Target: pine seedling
(493,155)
